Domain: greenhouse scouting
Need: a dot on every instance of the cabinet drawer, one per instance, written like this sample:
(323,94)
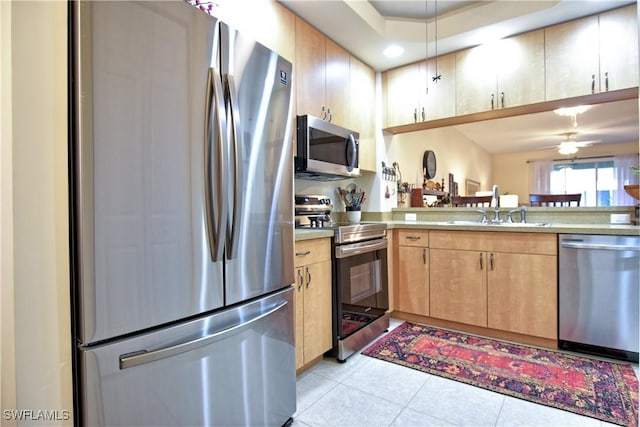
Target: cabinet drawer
(413,238)
(312,251)
(497,241)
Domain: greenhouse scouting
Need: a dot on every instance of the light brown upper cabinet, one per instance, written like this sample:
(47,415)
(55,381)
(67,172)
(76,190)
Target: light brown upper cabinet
(363,94)
(440,97)
(506,73)
(412,96)
(322,76)
(619,49)
(592,55)
(404,86)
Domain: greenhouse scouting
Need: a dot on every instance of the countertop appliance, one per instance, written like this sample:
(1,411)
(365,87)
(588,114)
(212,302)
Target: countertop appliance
(181,220)
(326,152)
(313,211)
(598,294)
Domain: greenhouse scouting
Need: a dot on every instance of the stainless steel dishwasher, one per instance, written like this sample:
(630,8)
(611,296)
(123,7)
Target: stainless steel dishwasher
(598,294)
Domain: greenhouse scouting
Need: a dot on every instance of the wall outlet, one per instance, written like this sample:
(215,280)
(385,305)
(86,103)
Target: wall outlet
(410,217)
(620,219)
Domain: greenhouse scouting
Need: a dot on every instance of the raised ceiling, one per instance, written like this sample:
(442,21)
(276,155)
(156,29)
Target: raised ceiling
(365,28)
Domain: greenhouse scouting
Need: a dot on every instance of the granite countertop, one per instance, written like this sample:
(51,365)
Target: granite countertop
(570,220)
(611,229)
(308,234)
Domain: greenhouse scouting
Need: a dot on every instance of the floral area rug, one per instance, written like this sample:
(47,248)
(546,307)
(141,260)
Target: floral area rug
(603,390)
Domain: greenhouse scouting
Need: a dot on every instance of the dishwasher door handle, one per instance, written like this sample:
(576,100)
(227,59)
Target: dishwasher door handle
(598,246)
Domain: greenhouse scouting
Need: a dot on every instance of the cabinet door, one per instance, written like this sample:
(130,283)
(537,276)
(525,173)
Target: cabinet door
(338,101)
(476,80)
(309,69)
(363,93)
(522,294)
(402,96)
(317,310)
(440,99)
(413,278)
(299,302)
(520,67)
(458,286)
(618,51)
(571,58)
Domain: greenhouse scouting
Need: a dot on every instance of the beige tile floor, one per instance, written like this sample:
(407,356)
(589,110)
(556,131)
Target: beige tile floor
(369,392)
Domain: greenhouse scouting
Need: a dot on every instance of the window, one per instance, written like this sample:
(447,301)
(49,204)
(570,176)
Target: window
(597,179)
(593,178)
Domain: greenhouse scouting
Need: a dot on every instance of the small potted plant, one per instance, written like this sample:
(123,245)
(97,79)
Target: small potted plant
(634,189)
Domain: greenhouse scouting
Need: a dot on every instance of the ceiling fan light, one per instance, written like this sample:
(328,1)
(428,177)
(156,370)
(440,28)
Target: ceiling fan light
(571,111)
(566,148)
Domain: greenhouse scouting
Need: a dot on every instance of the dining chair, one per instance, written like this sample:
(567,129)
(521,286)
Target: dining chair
(554,199)
(472,201)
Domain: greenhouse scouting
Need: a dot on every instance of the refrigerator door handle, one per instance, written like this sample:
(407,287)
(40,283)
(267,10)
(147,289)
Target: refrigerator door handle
(143,357)
(235,222)
(214,163)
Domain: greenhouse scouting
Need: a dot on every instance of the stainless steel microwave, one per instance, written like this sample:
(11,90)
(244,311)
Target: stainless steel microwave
(326,151)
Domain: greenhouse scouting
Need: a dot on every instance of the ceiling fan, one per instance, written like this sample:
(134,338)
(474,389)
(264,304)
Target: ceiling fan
(569,145)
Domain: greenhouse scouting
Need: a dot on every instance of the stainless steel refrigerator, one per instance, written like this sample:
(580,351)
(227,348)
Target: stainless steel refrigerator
(181,185)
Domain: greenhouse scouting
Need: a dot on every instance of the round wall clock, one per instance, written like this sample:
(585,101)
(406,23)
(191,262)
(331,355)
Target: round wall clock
(429,164)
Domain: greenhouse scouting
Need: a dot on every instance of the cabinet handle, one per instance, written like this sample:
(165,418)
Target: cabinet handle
(308,277)
(423,115)
(491,261)
(481,262)
(305,253)
(415,115)
(424,256)
(593,83)
(329,115)
(323,113)
(501,99)
(413,238)
(492,101)
(606,82)
(300,279)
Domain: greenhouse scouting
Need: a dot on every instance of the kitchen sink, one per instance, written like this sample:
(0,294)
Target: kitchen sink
(498,224)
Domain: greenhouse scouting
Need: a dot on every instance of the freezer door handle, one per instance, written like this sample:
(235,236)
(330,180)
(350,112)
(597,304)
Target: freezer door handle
(214,156)
(143,357)
(578,244)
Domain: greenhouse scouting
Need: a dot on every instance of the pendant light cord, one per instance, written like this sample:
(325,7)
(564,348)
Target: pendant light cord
(437,76)
(426,44)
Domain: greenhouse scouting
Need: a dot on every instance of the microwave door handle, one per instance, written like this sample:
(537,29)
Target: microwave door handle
(214,154)
(351,147)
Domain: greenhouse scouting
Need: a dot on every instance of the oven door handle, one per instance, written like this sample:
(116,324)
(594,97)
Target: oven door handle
(354,249)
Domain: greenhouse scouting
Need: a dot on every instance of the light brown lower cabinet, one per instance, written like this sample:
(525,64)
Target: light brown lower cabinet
(313,299)
(500,280)
(413,272)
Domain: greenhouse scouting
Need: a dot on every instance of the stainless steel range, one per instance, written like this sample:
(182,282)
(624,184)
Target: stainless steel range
(360,285)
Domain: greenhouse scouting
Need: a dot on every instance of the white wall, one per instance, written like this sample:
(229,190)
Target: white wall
(454,152)
(35,256)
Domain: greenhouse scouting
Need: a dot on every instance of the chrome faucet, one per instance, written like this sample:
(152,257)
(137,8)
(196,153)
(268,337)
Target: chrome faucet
(495,202)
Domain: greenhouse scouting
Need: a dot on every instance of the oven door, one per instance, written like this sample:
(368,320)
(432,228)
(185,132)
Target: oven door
(361,285)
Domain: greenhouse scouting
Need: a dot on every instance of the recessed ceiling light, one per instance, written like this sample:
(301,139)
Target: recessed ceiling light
(393,51)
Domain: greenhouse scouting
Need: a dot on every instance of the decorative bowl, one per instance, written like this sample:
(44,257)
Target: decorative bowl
(633,191)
